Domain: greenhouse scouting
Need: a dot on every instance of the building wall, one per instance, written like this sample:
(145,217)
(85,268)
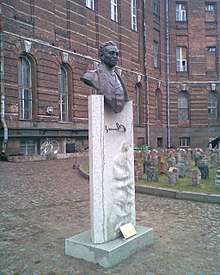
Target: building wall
(196,34)
(67,32)
(64,32)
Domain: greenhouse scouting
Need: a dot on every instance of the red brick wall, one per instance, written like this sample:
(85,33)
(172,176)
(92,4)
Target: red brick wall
(57,27)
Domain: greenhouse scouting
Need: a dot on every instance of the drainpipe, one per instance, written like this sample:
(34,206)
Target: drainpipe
(145,74)
(168,73)
(2,81)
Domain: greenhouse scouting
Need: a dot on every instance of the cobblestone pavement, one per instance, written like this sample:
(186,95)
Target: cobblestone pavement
(42,203)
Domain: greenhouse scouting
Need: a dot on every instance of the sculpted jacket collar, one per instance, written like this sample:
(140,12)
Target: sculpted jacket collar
(114,91)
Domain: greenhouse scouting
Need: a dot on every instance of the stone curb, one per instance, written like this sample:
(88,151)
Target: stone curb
(182,195)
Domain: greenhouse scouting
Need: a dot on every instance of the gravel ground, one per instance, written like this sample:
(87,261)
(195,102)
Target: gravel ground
(42,203)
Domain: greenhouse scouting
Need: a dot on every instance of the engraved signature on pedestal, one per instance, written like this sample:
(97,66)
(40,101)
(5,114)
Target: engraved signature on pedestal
(119,127)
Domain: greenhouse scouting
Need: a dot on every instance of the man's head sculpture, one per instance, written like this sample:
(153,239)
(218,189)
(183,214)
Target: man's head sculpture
(106,80)
(108,54)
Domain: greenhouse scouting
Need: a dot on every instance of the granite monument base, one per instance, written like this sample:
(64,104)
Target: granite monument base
(110,253)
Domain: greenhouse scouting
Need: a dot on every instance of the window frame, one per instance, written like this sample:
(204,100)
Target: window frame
(27,146)
(156,54)
(134,15)
(211,47)
(180,67)
(213,105)
(181,13)
(25,89)
(211,58)
(63,94)
(208,4)
(114,10)
(90,4)
(183,109)
(184,141)
(156,8)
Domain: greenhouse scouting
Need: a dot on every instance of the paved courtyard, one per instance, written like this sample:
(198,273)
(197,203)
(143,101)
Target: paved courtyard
(42,203)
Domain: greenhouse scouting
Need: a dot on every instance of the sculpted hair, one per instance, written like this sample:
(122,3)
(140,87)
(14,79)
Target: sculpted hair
(102,47)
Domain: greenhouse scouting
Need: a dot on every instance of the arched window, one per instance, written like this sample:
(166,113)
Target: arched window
(138,105)
(183,106)
(212,105)
(63,93)
(25,88)
(158,104)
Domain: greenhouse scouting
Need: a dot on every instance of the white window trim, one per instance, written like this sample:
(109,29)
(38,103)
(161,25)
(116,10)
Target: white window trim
(134,15)
(180,13)
(181,63)
(90,4)
(114,10)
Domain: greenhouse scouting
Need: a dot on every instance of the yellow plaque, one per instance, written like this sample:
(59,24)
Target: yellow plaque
(128,230)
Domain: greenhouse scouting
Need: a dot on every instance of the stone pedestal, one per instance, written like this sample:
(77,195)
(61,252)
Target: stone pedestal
(112,188)
(111,162)
(110,253)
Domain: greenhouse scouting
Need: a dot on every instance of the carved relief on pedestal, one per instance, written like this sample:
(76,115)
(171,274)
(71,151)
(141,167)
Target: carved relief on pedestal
(123,209)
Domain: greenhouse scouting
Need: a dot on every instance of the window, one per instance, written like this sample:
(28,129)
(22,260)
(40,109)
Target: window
(159,142)
(158,104)
(183,109)
(28,147)
(210,7)
(211,49)
(138,104)
(210,12)
(70,148)
(63,93)
(211,59)
(114,10)
(25,88)
(156,54)
(181,60)
(90,4)
(212,105)
(134,15)
(155,7)
(184,141)
(180,12)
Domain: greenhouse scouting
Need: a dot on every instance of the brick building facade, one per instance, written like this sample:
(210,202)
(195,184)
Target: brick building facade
(169,61)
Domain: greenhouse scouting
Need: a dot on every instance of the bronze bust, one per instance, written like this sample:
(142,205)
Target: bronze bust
(106,80)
